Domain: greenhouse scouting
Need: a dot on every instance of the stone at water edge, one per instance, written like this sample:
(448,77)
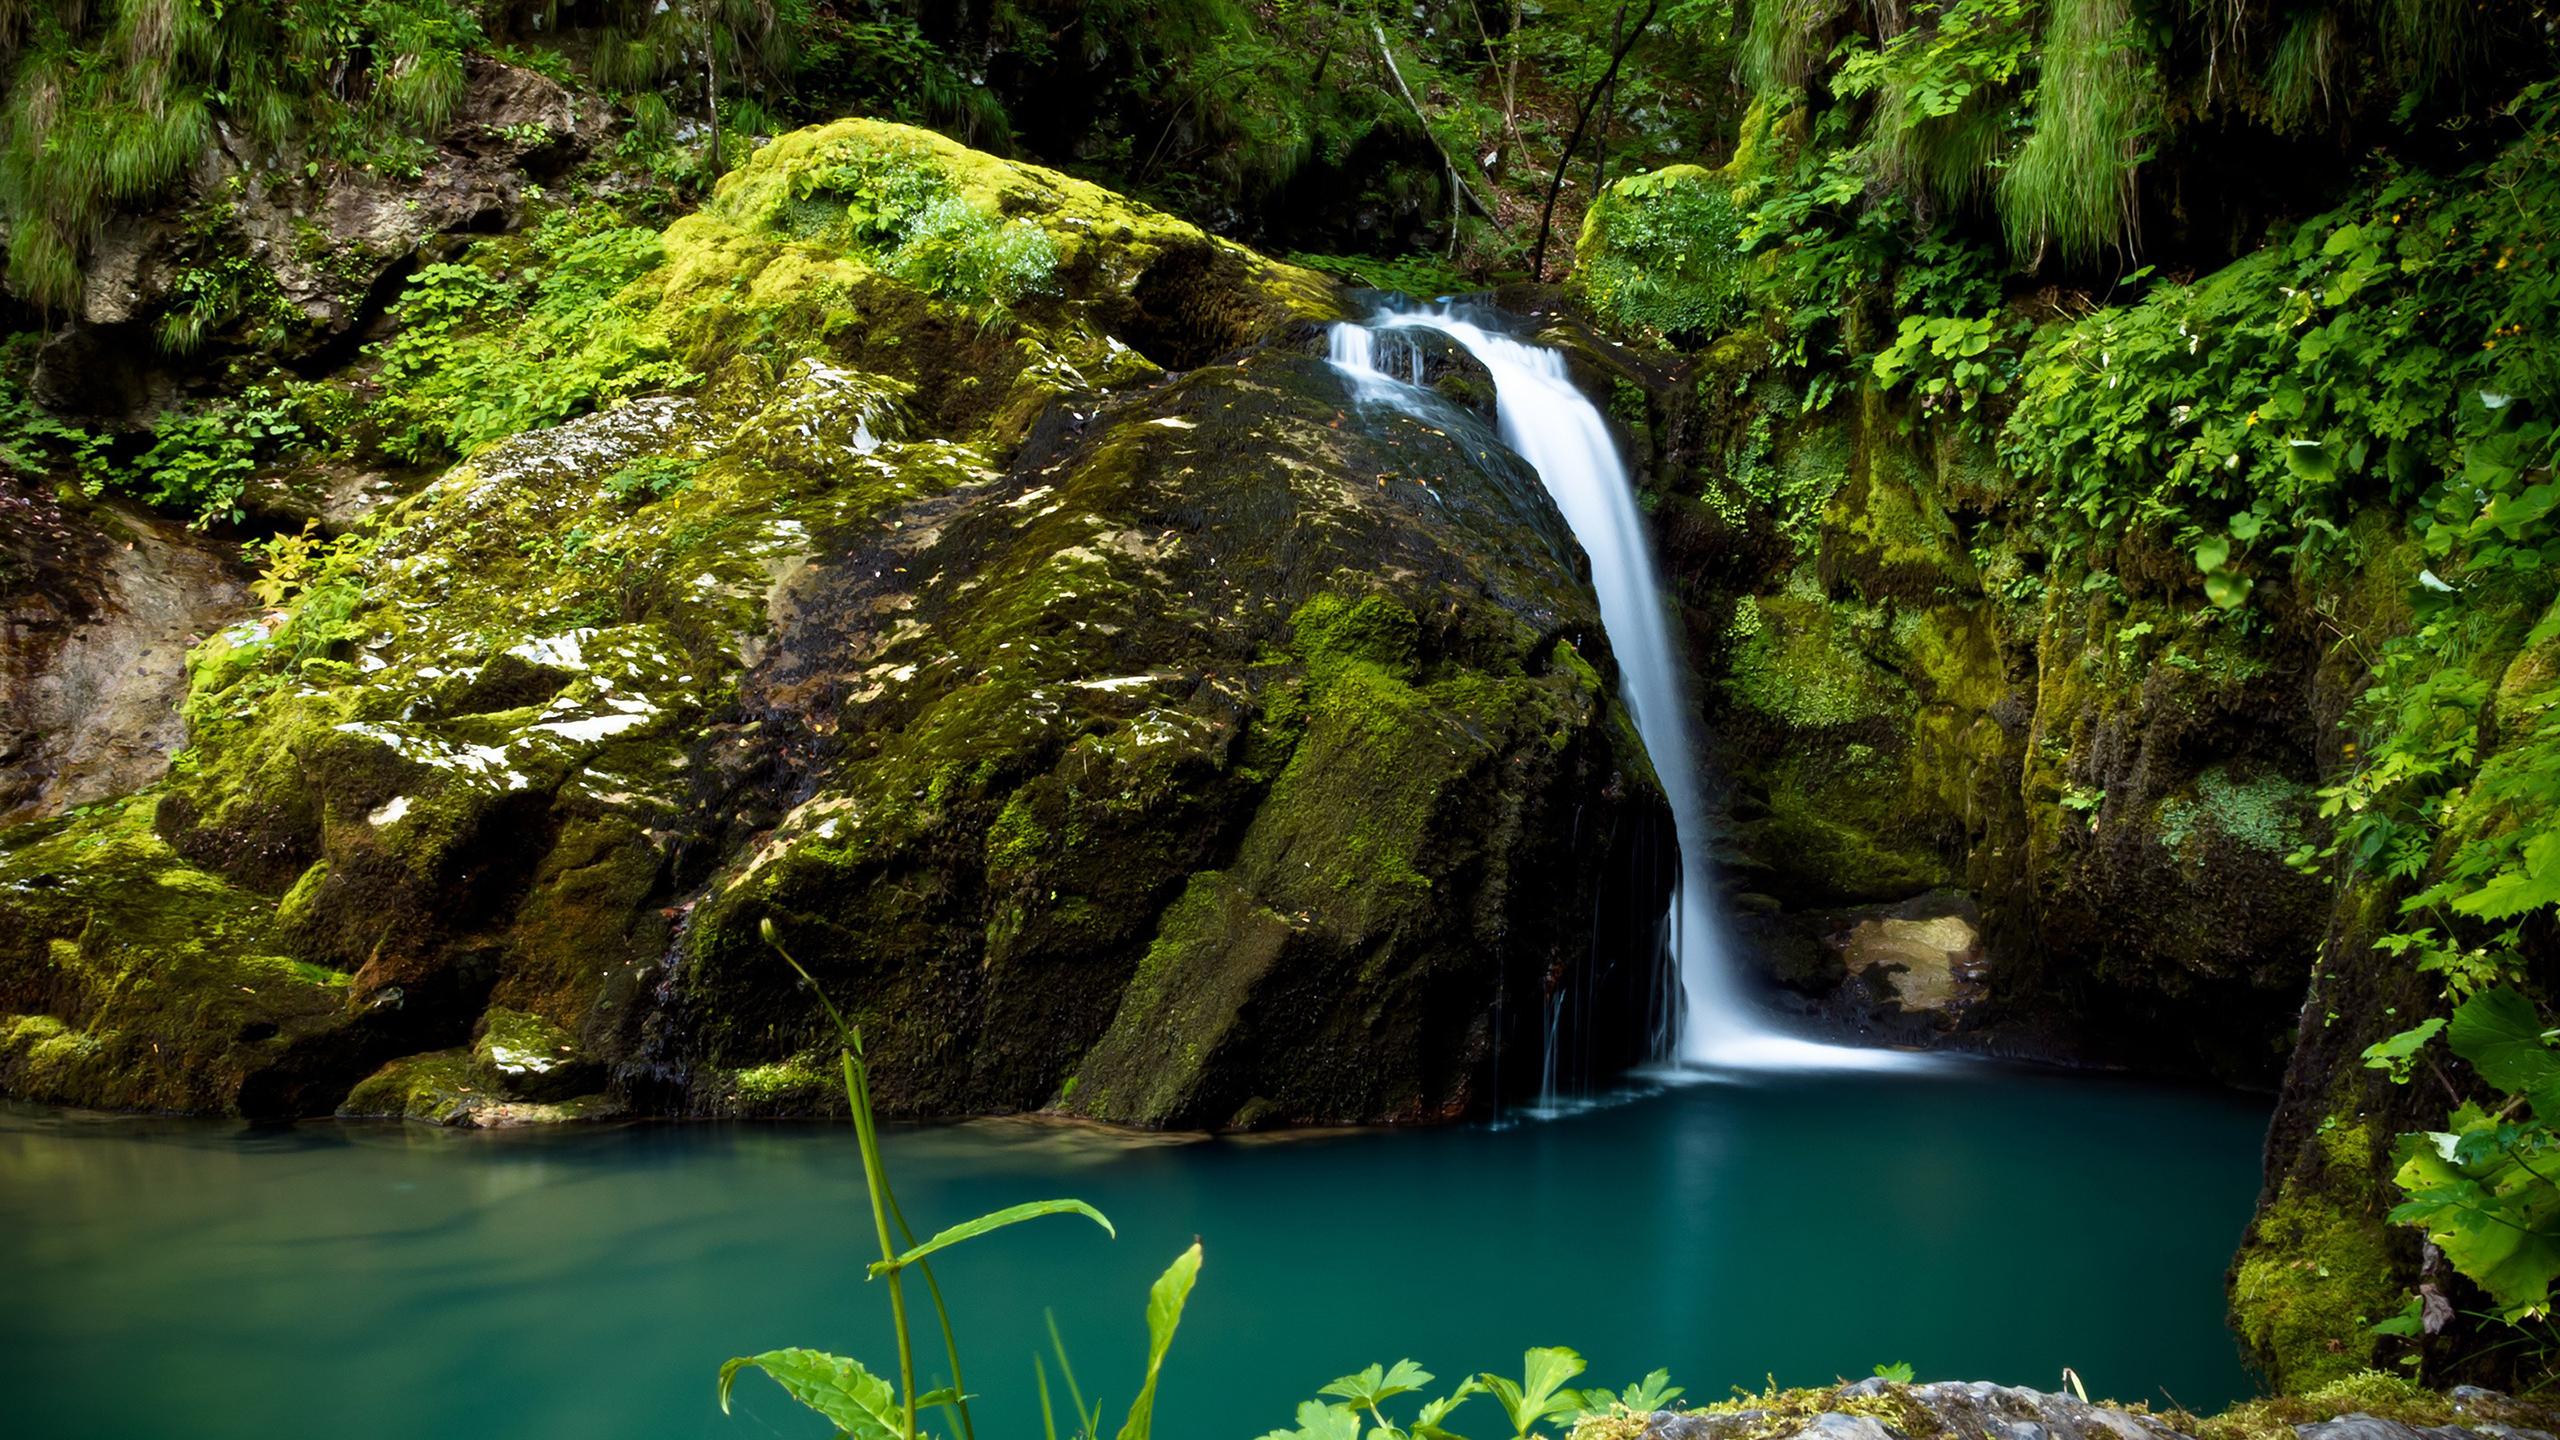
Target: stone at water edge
(1877,1409)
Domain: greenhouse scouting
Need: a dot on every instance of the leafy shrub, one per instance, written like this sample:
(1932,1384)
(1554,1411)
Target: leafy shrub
(200,461)
(1661,253)
(651,477)
(2394,354)
(904,213)
(1541,1397)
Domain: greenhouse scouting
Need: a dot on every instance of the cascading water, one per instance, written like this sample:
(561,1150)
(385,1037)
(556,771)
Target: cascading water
(1563,437)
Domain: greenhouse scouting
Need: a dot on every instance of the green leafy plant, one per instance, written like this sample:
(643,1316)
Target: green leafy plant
(481,353)
(1661,253)
(863,1404)
(1539,1395)
(1654,1392)
(899,207)
(2484,1188)
(1947,360)
(651,477)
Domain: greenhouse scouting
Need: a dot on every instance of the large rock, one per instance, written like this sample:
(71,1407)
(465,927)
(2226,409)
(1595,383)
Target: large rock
(1181,750)
(2369,1406)
(98,607)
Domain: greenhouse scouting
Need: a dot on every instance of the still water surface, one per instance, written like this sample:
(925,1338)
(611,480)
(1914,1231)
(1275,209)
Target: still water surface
(217,1281)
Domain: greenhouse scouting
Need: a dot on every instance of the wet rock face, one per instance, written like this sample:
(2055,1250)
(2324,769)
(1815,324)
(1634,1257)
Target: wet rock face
(329,249)
(97,610)
(1181,750)
(1911,973)
(1224,764)
(1904,695)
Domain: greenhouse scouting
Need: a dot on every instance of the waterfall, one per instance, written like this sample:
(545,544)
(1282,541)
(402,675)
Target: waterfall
(1563,437)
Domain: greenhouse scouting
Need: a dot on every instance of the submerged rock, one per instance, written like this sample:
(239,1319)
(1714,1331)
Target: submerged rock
(1178,750)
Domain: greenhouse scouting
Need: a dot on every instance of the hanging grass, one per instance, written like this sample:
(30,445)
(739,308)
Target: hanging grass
(2071,185)
(110,106)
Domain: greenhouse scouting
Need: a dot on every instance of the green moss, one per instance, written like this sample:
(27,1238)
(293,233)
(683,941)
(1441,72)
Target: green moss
(2263,812)
(1800,662)
(1659,254)
(803,1084)
(1372,629)
(443,1087)
(140,981)
(2315,1274)
(2363,1392)
(514,1046)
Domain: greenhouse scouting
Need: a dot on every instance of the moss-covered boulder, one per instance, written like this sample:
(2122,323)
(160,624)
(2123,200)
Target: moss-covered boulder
(1141,743)
(1220,766)
(1660,254)
(129,979)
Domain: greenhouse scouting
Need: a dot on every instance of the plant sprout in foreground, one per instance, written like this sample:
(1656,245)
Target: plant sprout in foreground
(863,1405)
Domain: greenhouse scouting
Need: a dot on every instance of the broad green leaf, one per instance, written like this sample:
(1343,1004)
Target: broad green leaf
(1654,1392)
(2212,553)
(1319,1421)
(2310,460)
(1164,1312)
(1378,1384)
(994,1220)
(2226,589)
(860,1403)
(2529,886)
(1533,1399)
(2500,1033)
(2398,1052)
(2493,1219)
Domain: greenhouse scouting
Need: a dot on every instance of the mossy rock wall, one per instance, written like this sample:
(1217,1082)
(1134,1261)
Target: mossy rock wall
(1907,688)
(1904,692)
(1191,750)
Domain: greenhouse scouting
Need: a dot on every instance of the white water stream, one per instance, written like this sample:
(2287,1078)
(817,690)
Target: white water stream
(1563,437)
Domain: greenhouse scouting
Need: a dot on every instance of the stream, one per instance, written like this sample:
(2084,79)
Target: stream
(219,1281)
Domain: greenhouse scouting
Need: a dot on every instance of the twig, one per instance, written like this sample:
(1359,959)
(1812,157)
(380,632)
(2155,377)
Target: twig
(1572,142)
(1457,181)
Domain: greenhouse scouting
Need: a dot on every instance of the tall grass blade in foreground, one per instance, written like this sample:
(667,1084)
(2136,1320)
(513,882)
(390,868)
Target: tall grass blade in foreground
(865,1406)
